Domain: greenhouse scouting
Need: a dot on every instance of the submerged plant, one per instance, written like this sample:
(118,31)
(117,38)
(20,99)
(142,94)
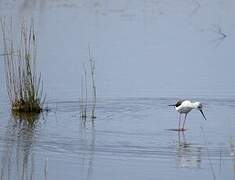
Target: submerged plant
(24,86)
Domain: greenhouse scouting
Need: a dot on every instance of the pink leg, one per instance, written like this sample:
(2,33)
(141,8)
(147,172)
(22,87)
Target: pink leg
(184,121)
(179,121)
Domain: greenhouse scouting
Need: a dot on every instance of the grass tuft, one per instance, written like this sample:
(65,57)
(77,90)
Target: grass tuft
(24,86)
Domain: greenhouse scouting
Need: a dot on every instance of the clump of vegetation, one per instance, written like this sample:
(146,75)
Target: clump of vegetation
(24,86)
(28,118)
(84,103)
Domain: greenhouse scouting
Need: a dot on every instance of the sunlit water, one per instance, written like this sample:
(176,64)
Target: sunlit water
(148,54)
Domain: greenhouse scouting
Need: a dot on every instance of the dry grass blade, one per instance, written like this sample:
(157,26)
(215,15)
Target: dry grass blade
(84,103)
(92,68)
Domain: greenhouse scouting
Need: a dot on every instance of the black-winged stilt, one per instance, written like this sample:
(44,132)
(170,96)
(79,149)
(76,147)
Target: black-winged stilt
(184,107)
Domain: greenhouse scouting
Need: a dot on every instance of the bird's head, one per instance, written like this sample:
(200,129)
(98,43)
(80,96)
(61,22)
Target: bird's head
(199,107)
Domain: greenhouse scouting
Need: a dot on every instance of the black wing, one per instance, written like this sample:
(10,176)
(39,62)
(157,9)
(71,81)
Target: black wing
(179,102)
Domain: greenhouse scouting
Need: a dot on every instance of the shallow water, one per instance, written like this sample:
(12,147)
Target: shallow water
(129,139)
(148,54)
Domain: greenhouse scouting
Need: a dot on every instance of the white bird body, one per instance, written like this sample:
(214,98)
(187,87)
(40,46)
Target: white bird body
(184,107)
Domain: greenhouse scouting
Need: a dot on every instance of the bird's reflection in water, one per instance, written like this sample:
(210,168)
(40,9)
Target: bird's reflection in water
(187,155)
(17,161)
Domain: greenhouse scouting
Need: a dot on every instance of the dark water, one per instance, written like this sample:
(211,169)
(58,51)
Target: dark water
(148,54)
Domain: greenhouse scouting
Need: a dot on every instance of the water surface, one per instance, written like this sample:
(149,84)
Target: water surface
(148,54)
(129,140)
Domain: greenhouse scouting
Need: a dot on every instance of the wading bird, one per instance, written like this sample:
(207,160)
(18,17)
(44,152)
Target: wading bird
(184,107)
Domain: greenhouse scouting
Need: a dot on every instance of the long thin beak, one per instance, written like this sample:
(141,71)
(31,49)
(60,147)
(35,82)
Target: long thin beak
(171,105)
(203,114)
